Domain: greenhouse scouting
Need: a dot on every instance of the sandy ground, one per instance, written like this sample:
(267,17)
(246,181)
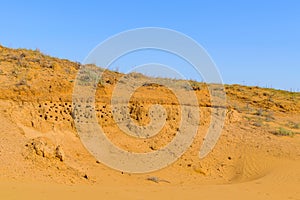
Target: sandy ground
(282,183)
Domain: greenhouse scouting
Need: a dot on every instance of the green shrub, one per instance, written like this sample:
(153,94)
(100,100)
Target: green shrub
(296,126)
(284,132)
(293,125)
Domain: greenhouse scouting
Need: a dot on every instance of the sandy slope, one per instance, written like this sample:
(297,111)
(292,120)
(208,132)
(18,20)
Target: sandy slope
(42,157)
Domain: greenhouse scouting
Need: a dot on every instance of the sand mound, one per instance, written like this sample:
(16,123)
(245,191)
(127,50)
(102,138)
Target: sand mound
(39,142)
(44,147)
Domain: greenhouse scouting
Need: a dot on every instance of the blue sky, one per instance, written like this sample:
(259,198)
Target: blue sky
(251,42)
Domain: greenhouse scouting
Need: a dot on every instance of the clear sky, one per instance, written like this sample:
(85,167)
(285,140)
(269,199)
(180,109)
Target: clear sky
(252,42)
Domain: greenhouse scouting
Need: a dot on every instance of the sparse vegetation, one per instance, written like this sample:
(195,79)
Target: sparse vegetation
(195,85)
(284,132)
(258,123)
(248,118)
(237,108)
(293,125)
(296,126)
(269,116)
(248,108)
(259,112)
